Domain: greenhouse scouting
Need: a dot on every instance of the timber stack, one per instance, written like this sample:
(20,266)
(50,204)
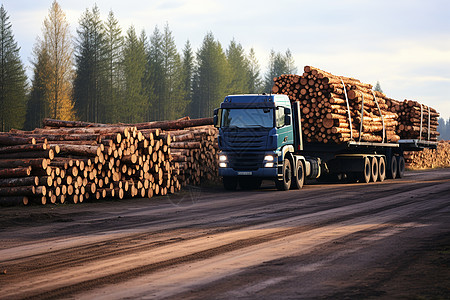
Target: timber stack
(415,120)
(338,109)
(429,158)
(73,161)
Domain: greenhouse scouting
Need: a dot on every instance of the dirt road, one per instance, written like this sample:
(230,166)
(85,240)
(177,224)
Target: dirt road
(328,241)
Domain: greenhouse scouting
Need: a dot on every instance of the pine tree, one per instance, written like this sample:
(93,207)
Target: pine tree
(378,87)
(155,69)
(134,106)
(239,69)
(187,73)
(278,64)
(255,82)
(57,44)
(211,78)
(290,62)
(113,70)
(38,106)
(172,97)
(90,64)
(13,81)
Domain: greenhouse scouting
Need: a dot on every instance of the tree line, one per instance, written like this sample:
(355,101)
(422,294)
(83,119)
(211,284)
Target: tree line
(444,129)
(103,74)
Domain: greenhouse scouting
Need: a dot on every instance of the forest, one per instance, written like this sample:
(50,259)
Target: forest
(103,74)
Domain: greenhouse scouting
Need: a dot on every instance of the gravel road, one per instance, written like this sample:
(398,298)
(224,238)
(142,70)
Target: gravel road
(388,240)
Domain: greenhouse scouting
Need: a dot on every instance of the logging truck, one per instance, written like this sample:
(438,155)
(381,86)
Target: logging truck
(260,137)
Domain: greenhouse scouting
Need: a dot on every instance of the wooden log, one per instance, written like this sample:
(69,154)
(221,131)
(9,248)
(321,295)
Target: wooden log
(15,172)
(29,154)
(25,162)
(13,200)
(19,181)
(8,140)
(23,148)
(23,191)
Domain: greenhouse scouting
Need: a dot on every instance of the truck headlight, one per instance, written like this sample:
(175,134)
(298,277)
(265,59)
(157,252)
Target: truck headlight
(222,165)
(268,165)
(222,157)
(269,158)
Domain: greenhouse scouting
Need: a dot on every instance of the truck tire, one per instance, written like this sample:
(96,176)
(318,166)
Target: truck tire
(230,183)
(366,174)
(374,169)
(299,176)
(392,171)
(381,169)
(284,183)
(401,167)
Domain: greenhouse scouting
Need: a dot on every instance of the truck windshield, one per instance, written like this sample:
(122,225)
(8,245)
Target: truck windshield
(247,117)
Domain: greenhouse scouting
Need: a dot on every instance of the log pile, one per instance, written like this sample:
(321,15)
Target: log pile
(429,158)
(415,120)
(67,163)
(339,109)
(196,151)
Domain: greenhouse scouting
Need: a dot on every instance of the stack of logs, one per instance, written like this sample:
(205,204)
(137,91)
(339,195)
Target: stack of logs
(416,121)
(429,158)
(74,161)
(339,109)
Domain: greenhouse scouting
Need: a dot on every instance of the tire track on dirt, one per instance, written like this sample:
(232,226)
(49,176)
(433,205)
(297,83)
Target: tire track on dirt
(347,214)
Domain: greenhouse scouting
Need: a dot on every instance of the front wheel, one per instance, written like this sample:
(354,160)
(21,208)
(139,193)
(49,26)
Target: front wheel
(284,183)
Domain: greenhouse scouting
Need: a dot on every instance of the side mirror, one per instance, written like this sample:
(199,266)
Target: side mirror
(216,118)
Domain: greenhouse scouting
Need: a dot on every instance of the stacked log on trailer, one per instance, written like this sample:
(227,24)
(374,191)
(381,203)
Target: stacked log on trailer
(429,158)
(339,109)
(415,120)
(75,161)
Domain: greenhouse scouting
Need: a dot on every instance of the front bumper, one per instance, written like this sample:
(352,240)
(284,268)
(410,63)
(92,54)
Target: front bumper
(260,172)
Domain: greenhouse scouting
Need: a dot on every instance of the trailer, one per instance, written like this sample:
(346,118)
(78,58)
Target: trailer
(260,137)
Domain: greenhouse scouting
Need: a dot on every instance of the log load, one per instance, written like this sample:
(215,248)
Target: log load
(71,163)
(429,158)
(338,109)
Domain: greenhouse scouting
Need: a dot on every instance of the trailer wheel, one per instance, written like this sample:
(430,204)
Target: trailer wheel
(374,169)
(284,183)
(299,176)
(381,169)
(401,167)
(230,183)
(367,172)
(392,171)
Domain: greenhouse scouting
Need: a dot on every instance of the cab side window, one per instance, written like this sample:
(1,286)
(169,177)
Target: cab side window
(279,116)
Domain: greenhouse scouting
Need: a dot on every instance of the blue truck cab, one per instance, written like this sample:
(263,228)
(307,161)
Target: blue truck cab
(256,136)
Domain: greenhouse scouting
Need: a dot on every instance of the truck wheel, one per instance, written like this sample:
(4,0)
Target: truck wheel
(230,183)
(381,169)
(392,172)
(374,169)
(284,183)
(299,176)
(401,167)
(367,172)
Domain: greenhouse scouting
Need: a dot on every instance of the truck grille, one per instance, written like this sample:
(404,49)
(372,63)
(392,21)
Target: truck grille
(246,141)
(245,161)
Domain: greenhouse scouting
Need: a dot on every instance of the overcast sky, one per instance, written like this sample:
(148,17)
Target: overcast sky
(404,44)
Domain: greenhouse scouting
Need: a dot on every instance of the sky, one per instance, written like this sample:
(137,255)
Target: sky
(403,44)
